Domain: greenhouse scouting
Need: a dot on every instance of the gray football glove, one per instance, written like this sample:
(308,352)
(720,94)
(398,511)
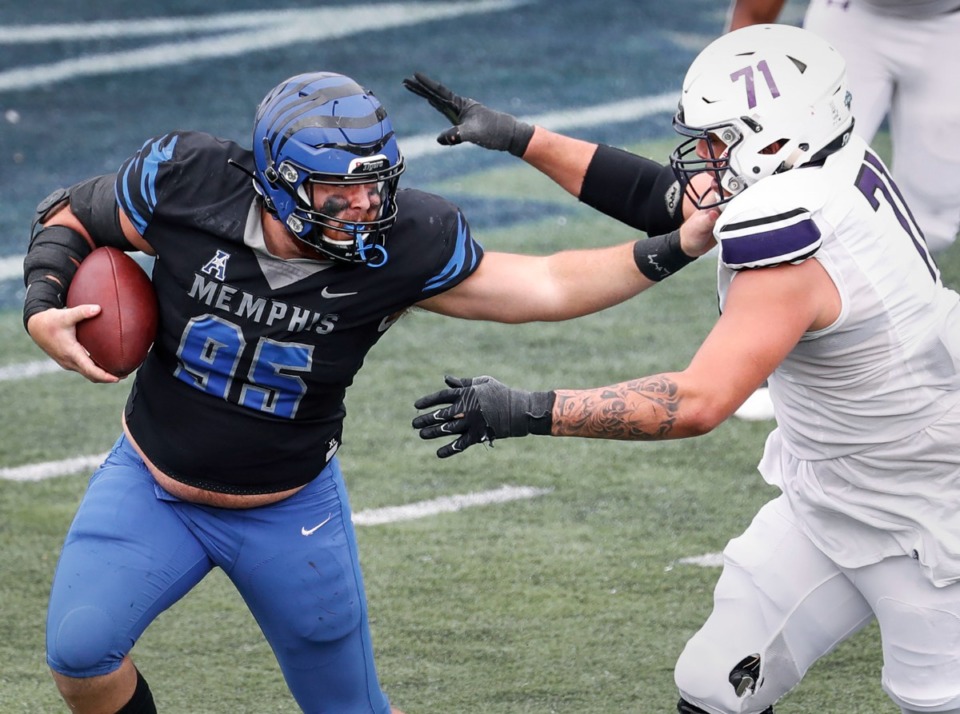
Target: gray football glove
(482,409)
(471,120)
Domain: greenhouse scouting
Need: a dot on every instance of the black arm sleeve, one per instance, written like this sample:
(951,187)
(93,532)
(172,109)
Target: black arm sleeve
(55,252)
(93,202)
(52,259)
(634,190)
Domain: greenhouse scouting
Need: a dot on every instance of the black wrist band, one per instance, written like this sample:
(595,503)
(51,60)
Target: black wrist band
(540,415)
(42,294)
(522,133)
(660,256)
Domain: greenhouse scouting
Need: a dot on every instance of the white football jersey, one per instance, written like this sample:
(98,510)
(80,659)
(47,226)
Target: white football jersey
(890,365)
(910,8)
(867,448)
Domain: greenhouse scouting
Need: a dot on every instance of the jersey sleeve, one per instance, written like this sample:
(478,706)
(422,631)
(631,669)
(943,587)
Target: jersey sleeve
(174,171)
(460,258)
(431,247)
(760,229)
(141,178)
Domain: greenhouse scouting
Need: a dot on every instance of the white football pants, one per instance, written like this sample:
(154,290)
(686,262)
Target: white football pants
(780,597)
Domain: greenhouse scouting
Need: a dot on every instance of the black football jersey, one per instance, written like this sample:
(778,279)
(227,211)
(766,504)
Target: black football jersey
(243,389)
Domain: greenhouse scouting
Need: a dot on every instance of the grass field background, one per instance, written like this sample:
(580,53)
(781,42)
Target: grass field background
(575,602)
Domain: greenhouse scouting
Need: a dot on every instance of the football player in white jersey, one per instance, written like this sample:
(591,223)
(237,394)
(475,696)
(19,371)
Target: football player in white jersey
(827,289)
(903,58)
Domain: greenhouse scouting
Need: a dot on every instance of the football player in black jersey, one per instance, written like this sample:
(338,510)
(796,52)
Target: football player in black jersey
(277,269)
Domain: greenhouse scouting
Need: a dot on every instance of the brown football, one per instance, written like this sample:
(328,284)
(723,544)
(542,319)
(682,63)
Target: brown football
(119,338)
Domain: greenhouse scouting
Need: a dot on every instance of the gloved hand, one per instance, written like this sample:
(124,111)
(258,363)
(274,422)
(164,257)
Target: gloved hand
(471,120)
(482,409)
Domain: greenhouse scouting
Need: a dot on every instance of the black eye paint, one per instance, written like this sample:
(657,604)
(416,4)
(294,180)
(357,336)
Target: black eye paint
(334,206)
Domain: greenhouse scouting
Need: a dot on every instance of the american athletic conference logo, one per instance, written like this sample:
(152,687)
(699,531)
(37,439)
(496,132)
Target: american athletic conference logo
(216,267)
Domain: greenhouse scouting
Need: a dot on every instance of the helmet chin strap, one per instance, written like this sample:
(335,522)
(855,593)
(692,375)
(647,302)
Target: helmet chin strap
(373,255)
(789,162)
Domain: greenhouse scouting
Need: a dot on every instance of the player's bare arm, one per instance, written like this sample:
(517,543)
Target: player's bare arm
(752,12)
(603,413)
(563,158)
(516,288)
(766,313)
(756,331)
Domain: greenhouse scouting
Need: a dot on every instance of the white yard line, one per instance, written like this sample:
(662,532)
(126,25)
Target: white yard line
(370,517)
(445,504)
(707,560)
(218,36)
(24,370)
(49,469)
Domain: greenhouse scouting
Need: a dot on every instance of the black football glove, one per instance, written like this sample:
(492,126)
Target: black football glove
(471,120)
(482,409)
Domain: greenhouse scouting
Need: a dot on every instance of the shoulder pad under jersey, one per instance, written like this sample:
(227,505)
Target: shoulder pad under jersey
(756,230)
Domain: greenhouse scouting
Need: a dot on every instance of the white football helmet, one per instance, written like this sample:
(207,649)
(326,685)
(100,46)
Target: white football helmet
(763,99)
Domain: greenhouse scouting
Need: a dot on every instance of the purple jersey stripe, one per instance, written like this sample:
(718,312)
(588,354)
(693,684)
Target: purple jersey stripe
(771,247)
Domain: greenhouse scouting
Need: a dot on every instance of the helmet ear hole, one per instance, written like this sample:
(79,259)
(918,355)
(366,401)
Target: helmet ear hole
(774,146)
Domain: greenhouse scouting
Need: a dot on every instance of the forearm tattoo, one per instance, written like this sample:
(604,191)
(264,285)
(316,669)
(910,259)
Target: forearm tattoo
(639,410)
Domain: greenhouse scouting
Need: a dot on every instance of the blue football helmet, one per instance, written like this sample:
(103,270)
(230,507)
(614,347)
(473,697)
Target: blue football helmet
(325,128)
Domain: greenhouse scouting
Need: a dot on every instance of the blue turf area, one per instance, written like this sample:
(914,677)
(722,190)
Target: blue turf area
(82,85)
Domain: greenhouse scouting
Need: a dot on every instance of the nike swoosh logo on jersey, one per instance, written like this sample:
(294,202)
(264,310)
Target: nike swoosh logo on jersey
(310,531)
(327,294)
